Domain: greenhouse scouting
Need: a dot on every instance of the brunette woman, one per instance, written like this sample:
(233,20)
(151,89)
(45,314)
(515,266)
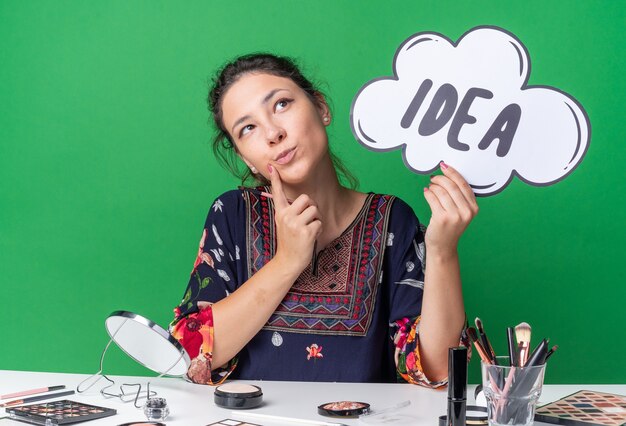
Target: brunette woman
(303,278)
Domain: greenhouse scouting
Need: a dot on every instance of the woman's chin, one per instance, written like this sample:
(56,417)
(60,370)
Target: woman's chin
(295,175)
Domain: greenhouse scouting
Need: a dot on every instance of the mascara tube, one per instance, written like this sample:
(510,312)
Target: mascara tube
(457,386)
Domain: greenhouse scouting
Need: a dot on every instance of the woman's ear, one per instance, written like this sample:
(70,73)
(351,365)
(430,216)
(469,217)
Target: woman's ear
(249,164)
(322,107)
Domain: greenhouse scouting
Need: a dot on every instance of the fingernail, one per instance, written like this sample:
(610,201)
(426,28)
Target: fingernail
(425,189)
(270,168)
(443,165)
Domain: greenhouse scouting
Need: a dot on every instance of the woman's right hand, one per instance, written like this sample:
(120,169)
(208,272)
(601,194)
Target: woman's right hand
(298,224)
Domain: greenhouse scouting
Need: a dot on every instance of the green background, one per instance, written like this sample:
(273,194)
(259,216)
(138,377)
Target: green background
(106,172)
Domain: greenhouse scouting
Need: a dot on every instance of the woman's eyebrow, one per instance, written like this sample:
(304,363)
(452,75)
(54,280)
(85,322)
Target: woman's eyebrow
(238,122)
(265,100)
(270,94)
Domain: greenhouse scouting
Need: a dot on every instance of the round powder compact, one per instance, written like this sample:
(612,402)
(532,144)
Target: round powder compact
(238,396)
(343,409)
(474,415)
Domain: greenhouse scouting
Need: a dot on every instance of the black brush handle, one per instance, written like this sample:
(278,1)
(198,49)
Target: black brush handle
(512,346)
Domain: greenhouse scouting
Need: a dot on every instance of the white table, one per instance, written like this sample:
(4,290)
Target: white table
(192,405)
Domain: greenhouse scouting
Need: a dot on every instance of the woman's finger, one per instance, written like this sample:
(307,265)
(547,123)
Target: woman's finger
(453,190)
(444,198)
(317,227)
(301,203)
(278,194)
(462,184)
(435,206)
(310,214)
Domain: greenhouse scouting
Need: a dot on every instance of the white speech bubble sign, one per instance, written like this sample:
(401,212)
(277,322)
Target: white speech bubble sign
(468,104)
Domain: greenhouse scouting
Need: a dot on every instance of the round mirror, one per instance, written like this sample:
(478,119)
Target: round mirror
(147,343)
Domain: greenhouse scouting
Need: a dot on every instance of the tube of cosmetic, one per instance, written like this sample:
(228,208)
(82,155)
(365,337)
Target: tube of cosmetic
(457,386)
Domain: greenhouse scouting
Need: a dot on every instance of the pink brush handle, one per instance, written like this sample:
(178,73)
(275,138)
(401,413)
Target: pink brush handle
(23,393)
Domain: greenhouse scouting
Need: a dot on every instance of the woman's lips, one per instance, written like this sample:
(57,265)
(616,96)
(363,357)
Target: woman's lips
(285,156)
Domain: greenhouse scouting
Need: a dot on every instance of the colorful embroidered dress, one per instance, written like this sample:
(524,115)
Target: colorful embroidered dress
(352,317)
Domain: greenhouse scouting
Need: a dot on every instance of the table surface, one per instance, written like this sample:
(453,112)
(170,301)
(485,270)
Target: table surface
(192,405)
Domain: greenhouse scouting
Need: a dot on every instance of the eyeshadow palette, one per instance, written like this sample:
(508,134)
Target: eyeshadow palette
(231,422)
(58,413)
(585,408)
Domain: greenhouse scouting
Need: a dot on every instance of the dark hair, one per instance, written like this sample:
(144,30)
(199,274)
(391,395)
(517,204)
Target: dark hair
(223,146)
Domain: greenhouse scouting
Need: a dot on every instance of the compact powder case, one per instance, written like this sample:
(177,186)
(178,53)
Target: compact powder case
(343,409)
(142,424)
(475,415)
(238,396)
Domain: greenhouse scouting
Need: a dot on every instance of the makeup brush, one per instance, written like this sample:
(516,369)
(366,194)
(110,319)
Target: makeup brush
(522,334)
(482,352)
(551,351)
(485,341)
(36,398)
(538,356)
(512,350)
(31,392)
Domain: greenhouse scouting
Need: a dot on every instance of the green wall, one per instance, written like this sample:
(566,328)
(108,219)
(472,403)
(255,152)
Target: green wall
(106,172)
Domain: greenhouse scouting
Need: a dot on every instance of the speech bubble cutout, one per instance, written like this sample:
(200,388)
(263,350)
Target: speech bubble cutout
(468,104)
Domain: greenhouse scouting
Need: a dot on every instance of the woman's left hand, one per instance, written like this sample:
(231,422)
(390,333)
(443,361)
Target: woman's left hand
(453,207)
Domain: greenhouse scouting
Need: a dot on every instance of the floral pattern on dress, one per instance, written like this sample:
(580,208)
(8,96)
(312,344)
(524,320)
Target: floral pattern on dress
(314,352)
(407,354)
(217,205)
(190,297)
(195,334)
(202,257)
(193,317)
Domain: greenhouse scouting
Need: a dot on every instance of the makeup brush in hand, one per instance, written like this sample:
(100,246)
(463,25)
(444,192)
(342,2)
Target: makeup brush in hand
(522,335)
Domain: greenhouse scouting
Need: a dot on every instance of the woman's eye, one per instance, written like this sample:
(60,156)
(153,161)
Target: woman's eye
(282,104)
(245,130)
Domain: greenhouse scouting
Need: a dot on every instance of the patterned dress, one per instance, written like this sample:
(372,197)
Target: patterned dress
(351,316)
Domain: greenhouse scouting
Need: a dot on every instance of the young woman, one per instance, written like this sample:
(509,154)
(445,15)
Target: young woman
(302,278)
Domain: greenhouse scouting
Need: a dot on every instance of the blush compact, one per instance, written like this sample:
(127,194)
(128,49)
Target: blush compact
(238,396)
(343,409)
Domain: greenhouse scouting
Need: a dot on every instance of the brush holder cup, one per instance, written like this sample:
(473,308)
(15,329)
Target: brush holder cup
(511,392)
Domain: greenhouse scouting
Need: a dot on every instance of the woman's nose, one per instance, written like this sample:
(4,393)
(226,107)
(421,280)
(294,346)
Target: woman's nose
(275,134)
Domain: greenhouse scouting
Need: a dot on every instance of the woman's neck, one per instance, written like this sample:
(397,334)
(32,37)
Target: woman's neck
(337,204)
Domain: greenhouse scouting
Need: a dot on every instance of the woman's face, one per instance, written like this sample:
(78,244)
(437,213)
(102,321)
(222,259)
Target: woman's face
(271,120)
